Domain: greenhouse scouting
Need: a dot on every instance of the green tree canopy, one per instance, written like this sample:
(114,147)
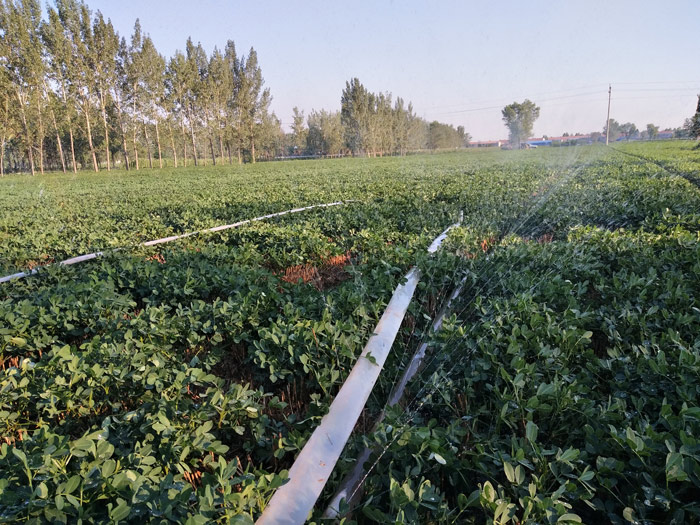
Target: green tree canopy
(694,124)
(519,118)
(615,129)
(652,131)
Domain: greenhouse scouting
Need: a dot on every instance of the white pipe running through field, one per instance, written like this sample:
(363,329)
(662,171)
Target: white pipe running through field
(353,480)
(89,256)
(292,503)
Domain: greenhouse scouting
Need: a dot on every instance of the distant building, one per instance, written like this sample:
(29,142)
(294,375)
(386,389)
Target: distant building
(665,134)
(538,142)
(487,143)
(573,139)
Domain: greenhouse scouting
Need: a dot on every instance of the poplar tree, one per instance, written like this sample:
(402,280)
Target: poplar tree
(20,49)
(75,19)
(102,59)
(58,52)
(177,82)
(196,65)
(355,113)
(219,89)
(119,93)
(325,136)
(5,95)
(252,100)
(131,84)
(694,124)
(152,91)
(299,131)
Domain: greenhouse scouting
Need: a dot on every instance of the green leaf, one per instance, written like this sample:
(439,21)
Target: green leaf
(72,484)
(121,511)
(487,492)
(108,468)
(674,467)
(19,454)
(510,472)
(531,430)
(19,342)
(437,457)
(568,455)
(629,515)
(569,518)
(42,491)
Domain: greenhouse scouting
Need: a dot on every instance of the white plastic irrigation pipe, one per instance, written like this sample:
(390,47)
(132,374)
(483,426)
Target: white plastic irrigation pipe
(292,503)
(89,256)
(353,480)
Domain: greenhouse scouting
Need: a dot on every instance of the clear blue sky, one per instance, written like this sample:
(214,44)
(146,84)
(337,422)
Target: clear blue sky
(454,59)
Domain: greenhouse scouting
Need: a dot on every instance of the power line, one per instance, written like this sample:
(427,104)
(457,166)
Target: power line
(501,105)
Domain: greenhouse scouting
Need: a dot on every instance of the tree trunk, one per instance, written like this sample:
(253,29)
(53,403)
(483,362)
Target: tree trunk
(194,142)
(136,150)
(228,151)
(252,150)
(41,143)
(211,147)
(120,116)
(2,141)
(240,157)
(58,141)
(70,127)
(160,157)
(184,141)
(26,131)
(104,123)
(86,110)
(221,146)
(72,146)
(148,145)
(172,143)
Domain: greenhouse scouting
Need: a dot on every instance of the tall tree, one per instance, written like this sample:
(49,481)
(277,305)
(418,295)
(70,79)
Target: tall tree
(629,130)
(652,131)
(252,101)
(197,64)
(356,107)
(325,136)
(694,122)
(152,71)
(21,52)
(299,131)
(178,81)
(120,93)
(232,111)
(219,89)
(102,59)
(5,96)
(519,118)
(615,130)
(59,55)
(75,19)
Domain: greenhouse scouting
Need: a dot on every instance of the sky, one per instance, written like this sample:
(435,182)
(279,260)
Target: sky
(458,62)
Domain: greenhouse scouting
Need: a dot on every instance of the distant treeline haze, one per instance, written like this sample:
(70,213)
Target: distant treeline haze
(74,93)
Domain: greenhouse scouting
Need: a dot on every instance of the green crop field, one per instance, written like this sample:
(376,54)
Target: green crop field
(177,383)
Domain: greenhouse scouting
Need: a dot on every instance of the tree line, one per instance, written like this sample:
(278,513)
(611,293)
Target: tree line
(73,94)
(369,124)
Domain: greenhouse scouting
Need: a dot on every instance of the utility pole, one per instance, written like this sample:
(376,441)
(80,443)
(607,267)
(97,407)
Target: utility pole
(607,124)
